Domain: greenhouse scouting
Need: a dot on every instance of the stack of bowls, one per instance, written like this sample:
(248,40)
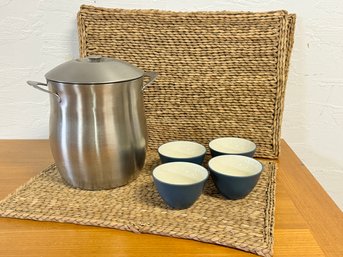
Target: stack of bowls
(180,178)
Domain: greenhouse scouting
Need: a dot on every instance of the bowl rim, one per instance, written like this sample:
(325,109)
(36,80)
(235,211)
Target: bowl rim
(182,141)
(181,185)
(235,156)
(232,153)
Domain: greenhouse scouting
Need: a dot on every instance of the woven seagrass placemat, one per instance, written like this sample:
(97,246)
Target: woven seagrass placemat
(245,224)
(220,73)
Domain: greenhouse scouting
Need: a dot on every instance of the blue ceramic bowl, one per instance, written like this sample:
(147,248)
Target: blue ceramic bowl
(182,151)
(180,183)
(232,145)
(235,176)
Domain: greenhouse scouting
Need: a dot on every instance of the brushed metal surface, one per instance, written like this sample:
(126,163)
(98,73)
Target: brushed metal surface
(94,70)
(98,133)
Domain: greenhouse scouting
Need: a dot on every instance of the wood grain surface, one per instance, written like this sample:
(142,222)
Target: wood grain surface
(308,223)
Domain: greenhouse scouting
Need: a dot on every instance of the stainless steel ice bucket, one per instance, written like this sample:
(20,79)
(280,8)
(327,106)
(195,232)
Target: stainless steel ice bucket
(97,122)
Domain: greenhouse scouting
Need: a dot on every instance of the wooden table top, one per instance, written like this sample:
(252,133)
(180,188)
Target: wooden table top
(308,223)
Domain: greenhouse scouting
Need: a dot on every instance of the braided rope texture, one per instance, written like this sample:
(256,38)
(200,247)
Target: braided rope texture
(220,73)
(245,224)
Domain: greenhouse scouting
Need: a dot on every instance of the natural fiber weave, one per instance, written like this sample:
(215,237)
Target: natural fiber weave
(220,73)
(245,224)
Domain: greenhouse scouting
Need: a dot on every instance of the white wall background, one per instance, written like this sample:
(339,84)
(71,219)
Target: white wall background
(37,35)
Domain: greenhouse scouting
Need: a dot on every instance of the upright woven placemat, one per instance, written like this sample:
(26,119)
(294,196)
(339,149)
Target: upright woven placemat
(220,73)
(245,224)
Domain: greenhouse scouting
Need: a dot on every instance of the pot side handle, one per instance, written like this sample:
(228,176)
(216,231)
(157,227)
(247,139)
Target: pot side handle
(37,85)
(152,75)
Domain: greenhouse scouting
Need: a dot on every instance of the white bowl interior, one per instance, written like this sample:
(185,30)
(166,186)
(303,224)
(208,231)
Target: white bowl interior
(232,145)
(180,173)
(182,149)
(235,165)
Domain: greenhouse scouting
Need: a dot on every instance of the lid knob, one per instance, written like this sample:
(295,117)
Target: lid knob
(94,58)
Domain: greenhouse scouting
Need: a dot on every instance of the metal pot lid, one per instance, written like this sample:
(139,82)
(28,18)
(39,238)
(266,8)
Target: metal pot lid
(94,70)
